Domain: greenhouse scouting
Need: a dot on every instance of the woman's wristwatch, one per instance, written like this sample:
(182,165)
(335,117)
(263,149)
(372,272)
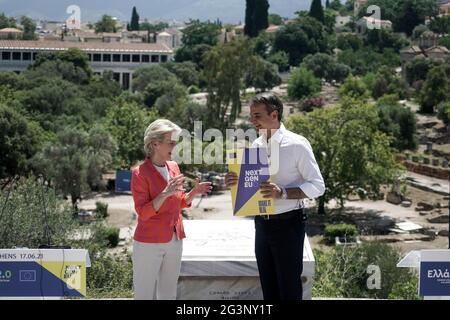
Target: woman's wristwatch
(283,193)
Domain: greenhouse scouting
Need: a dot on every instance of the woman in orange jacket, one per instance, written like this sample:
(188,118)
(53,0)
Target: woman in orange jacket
(159,196)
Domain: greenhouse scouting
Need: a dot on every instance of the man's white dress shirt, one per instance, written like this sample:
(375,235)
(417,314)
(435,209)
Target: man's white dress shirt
(292,165)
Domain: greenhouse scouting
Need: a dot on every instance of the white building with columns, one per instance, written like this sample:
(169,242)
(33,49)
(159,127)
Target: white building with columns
(120,58)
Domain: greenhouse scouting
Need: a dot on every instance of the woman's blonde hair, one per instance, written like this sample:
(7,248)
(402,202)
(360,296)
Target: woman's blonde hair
(156,131)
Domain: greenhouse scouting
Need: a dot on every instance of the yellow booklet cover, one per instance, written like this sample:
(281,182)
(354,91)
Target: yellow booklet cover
(252,168)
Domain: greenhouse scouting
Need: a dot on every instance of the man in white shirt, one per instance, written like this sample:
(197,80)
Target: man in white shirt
(295,176)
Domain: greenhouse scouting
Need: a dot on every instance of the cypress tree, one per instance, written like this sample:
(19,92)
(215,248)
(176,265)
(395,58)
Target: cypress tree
(134,24)
(256,17)
(316,10)
(249,17)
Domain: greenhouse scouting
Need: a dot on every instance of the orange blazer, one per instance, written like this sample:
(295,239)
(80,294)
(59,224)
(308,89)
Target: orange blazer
(156,226)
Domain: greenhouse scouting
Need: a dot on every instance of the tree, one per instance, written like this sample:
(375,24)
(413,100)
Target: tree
(186,72)
(6,22)
(398,122)
(440,25)
(256,17)
(355,88)
(316,10)
(78,58)
(134,24)
(281,59)
(75,162)
(262,76)
(20,139)
(408,18)
(126,122)
(197,33)
(387,82)
(29,28)
(435,90)
(225,68)
(106,24)
(349,41)
(275,19)
(326,67)
(350,150)
(34,215)
(153,82)
(303,84)
(304,36)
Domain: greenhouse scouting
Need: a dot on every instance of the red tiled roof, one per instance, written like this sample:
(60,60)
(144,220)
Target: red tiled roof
(86,46)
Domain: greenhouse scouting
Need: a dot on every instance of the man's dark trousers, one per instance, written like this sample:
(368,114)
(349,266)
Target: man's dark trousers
(279,254)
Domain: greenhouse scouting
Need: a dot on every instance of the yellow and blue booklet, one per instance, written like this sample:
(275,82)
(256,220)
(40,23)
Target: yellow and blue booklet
(252,168)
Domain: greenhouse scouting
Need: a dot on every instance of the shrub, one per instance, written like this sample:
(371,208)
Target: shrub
(443,112)
(309,104)
(342,272)
(193,89)
(339,230)
(303,84)
(101,209)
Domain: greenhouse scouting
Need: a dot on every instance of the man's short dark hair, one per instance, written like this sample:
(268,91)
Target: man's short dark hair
(271,101)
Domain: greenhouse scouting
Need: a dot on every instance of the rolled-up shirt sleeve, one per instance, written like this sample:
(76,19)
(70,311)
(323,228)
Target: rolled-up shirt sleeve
(141,196)
(313,185)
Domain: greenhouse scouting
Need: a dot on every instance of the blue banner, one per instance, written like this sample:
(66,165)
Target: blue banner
(123,180)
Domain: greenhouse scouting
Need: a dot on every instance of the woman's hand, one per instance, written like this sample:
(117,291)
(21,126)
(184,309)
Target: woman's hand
(201,187)
(175,184)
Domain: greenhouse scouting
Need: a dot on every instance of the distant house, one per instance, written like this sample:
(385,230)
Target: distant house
(437,53)
(444,7)
(341,21)
(11,33)
(408,54)
(363,24)
(272,28)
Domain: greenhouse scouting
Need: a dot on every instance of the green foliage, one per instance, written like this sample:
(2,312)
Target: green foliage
(186,72)
(281,59)
(350,150)
(444,41)
(443,112)
(339,230)
(275,19)
(354,87)
(134,24)
(326,67)
(440,25)
(349,41)
(417,69)
(110,276)
(20,139)
(316,10)
(194,53)
(106,24)
(262,76)
(398,122)
(304,36)
(418,31)
(197,33)
(388,82)
(380,39)
(435,90)
(29,28)
(303,84)
(101,209)
(367,60)
(76,161)
(33,215)
(7,22)
(342,272)
(256,17)
(126,122)
(225,68)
